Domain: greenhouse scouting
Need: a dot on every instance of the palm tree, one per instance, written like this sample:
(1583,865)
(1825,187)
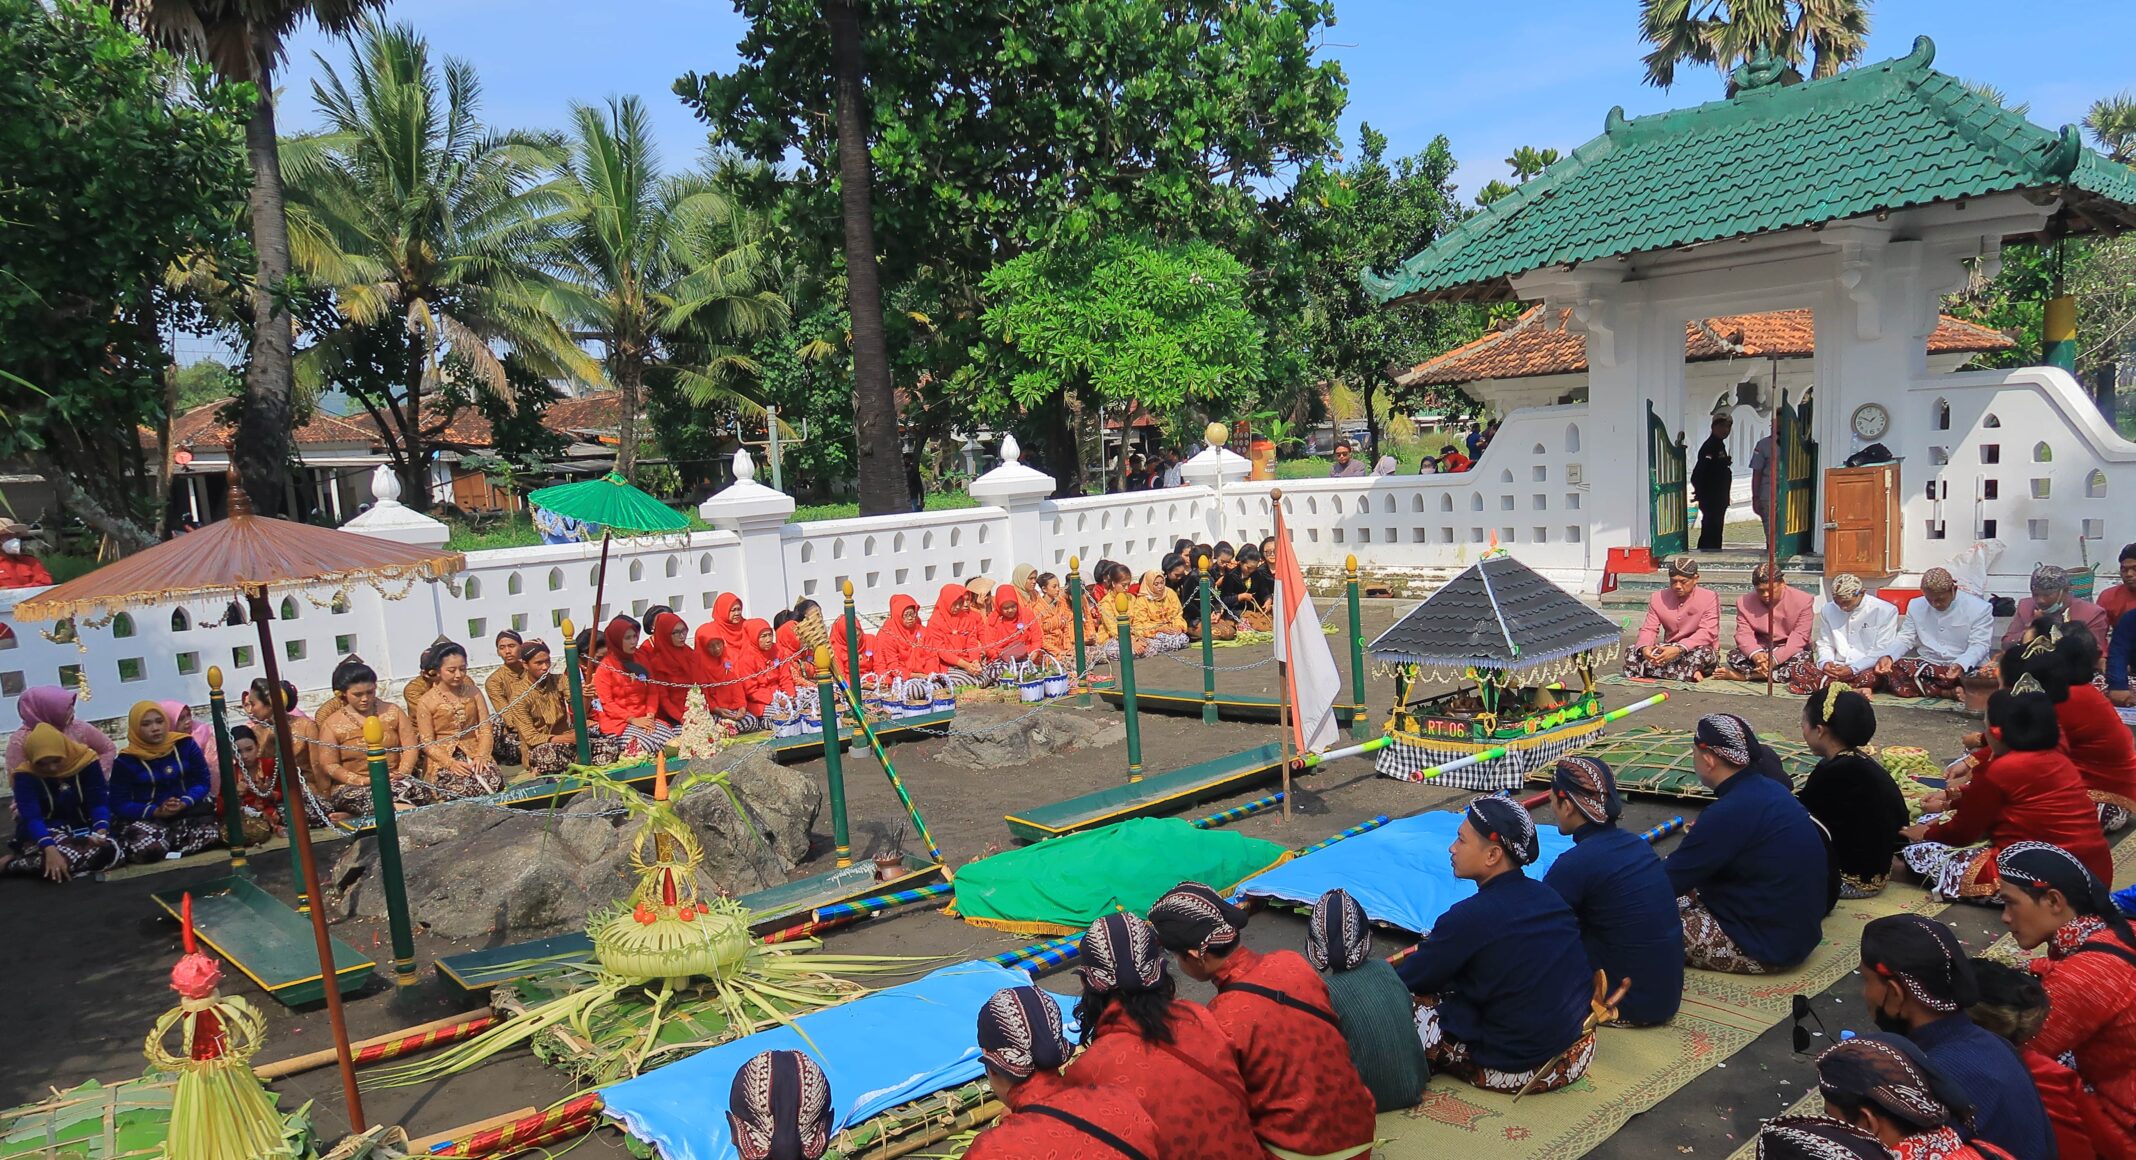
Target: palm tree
(243,40)
(423,223)
(1829,34)
(2112,121)
(881,463)
(655,265)
(1528,161)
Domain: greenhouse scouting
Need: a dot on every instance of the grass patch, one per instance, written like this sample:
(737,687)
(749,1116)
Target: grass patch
(518,533)
(941,501)
(1310,467)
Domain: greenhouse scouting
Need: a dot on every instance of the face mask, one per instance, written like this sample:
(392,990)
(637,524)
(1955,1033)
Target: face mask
(11,546)
(1891,1024)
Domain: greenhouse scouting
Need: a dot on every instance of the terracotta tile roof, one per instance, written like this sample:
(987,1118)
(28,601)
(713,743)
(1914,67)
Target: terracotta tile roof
(1532,345)
(466,429)
(199,428)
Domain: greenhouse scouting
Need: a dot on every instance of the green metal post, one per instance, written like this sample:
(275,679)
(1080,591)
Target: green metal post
(1127,687)
(1360,728)
(827,709)
(389,855)
(852,623)
(226,774)
(1208,642)
(578,694)
(1075,617)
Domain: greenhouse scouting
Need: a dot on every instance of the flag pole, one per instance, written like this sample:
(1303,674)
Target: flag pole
(1285,693)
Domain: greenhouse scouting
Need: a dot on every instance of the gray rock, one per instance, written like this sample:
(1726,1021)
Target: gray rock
(1019,736)
(500,875)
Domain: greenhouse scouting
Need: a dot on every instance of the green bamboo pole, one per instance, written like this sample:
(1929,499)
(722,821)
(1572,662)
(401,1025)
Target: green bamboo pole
(233,807)
(827,711)
(867,733)
(1075,617)
(1359,727)
(389,854)
(1208,642)
(1126,631)
(578,694)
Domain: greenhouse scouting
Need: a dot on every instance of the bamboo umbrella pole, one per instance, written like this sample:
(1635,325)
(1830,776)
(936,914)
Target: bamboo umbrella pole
(300,836)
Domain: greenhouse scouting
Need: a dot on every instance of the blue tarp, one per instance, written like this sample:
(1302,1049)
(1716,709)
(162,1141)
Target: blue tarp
(878,1051)
(1399,873)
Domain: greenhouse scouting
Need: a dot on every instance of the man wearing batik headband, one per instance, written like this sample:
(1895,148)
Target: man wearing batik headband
(1750,878)
(1943,636)
(2051,898)
(1369,1000)
(1918,982)
(1168,1053)
(1022,1045)
(1682,629)
(1772,630)
(1503,980)
(1619,891)
(1816,1138)
(2052,599)
(780,1108)
(1851,634)
(1307,1097)
(1883,1085)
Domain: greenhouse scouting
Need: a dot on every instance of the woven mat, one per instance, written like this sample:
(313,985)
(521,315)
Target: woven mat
(1649,760)
(1757,689)
(1634,1070)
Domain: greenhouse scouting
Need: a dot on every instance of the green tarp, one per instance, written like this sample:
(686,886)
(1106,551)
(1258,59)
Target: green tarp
(1062,885)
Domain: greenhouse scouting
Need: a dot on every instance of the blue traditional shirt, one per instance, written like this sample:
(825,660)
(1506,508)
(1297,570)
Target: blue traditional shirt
(139,785)
(1627,911)
(2006,1103)
(1509,971)
(1758,863)
(48,808)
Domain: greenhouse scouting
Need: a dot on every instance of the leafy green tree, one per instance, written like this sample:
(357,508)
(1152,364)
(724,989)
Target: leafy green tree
(656,264)
(1528,161)
(414,215)
(2112,122)
(206,381)
(118,159)
(1491,191)
(1381,214)
(1002,126)
(1826,34)
(243,40)
(1127,321)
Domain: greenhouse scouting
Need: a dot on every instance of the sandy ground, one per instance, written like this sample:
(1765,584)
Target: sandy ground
(92,974)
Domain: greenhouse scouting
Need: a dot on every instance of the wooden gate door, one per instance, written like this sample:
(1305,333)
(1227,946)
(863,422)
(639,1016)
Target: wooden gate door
(1797,471)
(1666,496)
(1861,520)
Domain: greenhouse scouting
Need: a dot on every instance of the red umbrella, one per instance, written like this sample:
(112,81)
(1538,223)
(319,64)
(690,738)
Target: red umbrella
(241,558)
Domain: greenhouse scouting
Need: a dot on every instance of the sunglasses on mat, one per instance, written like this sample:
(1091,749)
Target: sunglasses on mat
(1802,1010)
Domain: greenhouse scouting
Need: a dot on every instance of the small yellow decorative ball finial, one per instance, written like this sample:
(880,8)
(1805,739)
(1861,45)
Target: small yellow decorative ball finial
(1350,564)
(823,658)
(570,633)
(1074,565)
(847,587)
(1275,493)
(1120,602)
(1216,434)
(374,732)
(1205,563)
(215,678)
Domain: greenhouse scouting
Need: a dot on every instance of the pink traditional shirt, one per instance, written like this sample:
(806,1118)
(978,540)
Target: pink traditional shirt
(1782,630)
(1692,621)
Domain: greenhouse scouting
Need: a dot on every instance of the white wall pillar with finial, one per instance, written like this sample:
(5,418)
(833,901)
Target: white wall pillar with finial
(1216,467)
(390,519)
(1019,491)
(759,516)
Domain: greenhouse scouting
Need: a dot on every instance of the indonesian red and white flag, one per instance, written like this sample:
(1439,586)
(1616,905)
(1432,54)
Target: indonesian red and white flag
(1301,644)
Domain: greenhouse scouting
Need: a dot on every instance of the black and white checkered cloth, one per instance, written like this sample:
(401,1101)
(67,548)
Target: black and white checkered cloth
(1410,755)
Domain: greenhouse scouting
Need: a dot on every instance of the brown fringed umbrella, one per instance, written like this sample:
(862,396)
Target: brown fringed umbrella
(241,558)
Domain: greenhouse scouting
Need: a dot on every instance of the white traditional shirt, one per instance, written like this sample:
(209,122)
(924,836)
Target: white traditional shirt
(1959,635)
(1857,638)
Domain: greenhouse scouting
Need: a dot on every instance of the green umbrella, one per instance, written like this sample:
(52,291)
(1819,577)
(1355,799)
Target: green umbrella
(614,505)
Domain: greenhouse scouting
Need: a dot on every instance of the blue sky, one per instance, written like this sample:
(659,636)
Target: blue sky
(1489,76)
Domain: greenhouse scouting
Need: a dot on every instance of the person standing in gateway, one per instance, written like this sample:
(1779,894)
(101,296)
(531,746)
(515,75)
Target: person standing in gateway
(1711,477)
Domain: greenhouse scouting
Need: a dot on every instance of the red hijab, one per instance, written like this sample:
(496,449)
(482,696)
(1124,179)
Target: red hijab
(1015,631)
(735,635)
(676,665)
(841,650)
(897,648)
(951,635)
(720,674)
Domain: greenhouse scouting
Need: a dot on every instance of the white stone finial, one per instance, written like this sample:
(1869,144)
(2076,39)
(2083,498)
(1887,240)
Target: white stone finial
(1010,452)
(744,466)
(385,486)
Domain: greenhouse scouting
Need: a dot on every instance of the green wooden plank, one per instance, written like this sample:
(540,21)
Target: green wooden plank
(496,966)
(265,940)
(1229,706)
(810,745)
(1162,793)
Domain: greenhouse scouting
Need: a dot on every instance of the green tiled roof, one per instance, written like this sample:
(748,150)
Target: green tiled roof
(1880,137)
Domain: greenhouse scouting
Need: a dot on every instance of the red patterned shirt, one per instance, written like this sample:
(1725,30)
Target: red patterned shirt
(1190,1087)
(1305,1093)
(1035,1128)
(1944,1144)
(2092,1015)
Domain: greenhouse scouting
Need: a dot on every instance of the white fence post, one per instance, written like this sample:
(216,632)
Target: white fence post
(758,515)
(1019,491)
